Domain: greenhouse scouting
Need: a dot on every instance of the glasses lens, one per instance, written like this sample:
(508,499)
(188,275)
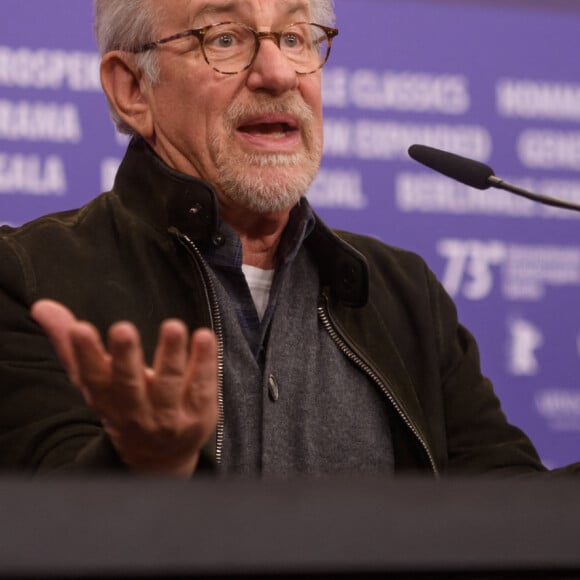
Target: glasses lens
(306,45)
(229,47)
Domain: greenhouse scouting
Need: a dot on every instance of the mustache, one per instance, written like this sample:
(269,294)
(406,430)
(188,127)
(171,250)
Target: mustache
(240,112)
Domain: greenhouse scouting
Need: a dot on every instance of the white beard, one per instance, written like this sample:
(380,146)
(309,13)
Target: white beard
(264,183)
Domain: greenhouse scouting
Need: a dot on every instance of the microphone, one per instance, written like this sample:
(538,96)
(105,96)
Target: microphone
(477,174)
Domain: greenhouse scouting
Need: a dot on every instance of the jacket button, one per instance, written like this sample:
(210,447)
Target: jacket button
(273,390)
(218,240)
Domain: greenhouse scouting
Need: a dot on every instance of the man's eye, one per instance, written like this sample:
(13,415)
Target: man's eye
(291,40)
(224,40)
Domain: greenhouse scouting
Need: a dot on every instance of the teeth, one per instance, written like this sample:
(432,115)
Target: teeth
(275,131)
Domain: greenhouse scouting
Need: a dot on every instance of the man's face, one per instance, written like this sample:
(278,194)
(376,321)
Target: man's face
(256,135)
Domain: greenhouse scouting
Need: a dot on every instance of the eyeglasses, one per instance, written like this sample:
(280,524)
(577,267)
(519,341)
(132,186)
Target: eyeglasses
(231,47)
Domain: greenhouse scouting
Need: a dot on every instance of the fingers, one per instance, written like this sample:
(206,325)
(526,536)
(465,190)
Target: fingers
(78,345)
(158,418)
(171,353)
(89,353)
(181,370)
(186,376)
(113,381)
(91,362)
(202,375)
(203,360)
(169,365)
(127,365)
(179,409)
(57,321)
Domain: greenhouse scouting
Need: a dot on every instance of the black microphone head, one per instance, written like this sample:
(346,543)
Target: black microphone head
(467,171)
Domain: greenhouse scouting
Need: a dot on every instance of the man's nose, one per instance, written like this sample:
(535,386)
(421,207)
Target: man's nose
(271,69)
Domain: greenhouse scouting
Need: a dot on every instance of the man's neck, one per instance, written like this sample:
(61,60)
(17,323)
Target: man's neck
(260,235)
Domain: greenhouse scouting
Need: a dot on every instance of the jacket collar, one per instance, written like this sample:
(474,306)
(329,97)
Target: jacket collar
(167,199)
(163,197)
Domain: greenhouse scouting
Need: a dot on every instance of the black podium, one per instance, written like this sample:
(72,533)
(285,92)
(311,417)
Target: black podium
(136,528)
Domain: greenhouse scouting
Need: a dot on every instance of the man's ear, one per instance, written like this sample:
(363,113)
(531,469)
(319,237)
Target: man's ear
(123,84)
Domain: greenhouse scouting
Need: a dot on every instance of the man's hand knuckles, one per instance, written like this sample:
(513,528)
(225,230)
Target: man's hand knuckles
(200,397)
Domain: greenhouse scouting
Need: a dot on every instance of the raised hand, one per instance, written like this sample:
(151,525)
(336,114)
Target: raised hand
(159,417)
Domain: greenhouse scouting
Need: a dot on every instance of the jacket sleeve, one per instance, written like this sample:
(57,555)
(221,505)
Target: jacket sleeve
(45,426)
(480,440)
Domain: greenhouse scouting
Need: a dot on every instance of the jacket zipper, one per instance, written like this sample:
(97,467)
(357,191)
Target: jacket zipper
(216,323)
(342,345)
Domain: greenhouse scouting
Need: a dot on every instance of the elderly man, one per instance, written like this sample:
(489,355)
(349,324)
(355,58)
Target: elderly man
(200,316)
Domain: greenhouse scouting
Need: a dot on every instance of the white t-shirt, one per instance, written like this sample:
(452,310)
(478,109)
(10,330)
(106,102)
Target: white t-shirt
(260,282)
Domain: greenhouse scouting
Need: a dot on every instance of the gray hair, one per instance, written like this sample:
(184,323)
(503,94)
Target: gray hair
(322,12)
(127,24)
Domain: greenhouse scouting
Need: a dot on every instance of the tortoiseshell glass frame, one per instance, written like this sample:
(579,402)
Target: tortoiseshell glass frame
(200,34)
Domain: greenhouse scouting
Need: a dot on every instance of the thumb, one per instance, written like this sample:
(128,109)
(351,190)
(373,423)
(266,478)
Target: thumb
(57,321)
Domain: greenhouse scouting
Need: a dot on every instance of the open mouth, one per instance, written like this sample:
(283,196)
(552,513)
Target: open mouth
(270,128)
(275,130)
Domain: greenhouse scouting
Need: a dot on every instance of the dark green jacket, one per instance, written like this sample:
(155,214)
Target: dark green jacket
(130,255)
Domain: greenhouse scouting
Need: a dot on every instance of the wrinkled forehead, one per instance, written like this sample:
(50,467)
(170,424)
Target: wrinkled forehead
(201,12)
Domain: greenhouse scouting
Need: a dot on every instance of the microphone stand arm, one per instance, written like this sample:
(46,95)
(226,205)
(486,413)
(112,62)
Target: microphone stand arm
(545,199)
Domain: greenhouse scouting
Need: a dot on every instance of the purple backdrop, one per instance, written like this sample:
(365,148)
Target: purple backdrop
(497,81)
